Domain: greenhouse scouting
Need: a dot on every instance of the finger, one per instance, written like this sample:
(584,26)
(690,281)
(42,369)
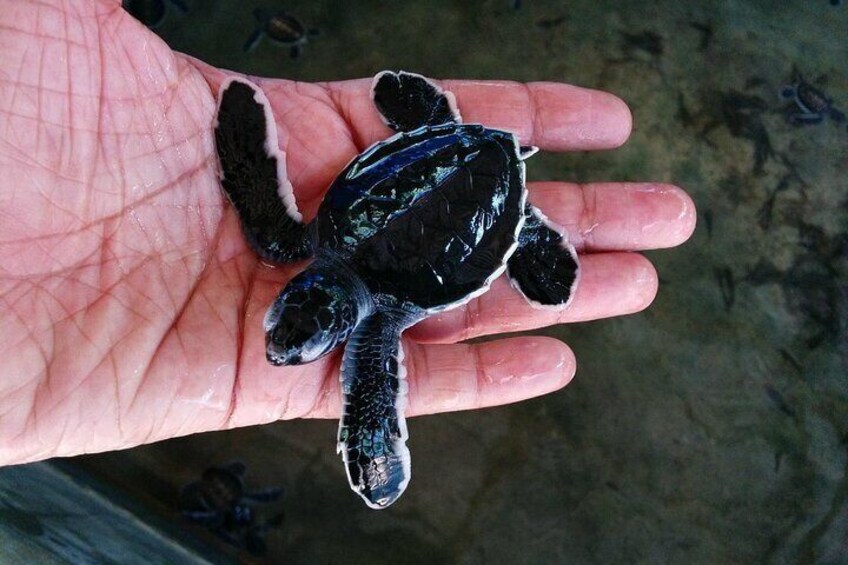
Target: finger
(617,216)
(611,284)
(553,116)
(445,378)
(448,378)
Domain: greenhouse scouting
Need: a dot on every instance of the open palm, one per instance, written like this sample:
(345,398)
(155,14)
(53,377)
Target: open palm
(130,306)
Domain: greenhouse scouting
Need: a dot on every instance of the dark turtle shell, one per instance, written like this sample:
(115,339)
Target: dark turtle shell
(285,28)
(427,217)
(811,98)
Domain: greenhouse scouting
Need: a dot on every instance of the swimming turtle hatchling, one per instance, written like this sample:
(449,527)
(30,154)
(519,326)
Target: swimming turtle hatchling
(221,502)
(414,225)
(809,105)
(282,28)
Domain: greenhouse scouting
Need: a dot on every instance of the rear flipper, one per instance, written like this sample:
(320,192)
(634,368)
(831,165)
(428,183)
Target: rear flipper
(372,432)
(544,267)
(408,101)
(253,174)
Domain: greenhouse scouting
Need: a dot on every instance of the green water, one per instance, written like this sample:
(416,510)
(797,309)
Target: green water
(712,428)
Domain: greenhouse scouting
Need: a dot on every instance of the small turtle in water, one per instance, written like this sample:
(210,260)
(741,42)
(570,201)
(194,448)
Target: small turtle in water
(808,104)
(151,12)
(416,224)
(220,503)
(281,27)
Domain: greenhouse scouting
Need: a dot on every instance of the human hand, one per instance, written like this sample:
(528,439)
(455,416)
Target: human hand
(132,308)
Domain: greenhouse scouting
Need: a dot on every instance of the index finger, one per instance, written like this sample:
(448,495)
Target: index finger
(550,115)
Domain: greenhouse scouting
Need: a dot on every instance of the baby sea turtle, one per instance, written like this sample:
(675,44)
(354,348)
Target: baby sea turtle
(281,27)
(222,504)
(416,224)
(809,105)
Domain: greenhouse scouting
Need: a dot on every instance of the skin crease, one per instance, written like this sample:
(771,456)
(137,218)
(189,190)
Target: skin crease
(130,306)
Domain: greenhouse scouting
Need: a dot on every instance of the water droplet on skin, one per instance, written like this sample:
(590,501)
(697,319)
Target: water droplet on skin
(589,230)
(506,379)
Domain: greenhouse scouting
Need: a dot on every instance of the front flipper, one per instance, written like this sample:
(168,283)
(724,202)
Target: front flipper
(372,432)
(544,267)
(253,174)
(408,101)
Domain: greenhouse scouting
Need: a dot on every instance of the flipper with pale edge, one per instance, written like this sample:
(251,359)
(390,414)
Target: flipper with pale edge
(372,432)
(408,101)
(544,268)
(253,174)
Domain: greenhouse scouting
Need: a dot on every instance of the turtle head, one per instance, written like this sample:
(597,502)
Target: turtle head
(313,314)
